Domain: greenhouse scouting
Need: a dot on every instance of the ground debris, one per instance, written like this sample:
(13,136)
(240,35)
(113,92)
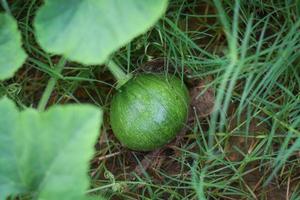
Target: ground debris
(202,98)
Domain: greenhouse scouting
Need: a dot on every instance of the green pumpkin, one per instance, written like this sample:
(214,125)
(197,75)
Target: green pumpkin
(148,111)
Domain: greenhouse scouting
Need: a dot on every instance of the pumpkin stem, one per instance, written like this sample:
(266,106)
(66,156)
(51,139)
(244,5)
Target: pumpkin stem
(118,73)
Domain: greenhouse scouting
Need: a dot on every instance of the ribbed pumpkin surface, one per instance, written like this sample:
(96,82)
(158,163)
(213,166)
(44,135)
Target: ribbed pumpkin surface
(148,111)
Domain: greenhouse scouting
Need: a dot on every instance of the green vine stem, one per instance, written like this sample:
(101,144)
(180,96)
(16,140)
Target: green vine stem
(5,6)
(51,84)
(118,73)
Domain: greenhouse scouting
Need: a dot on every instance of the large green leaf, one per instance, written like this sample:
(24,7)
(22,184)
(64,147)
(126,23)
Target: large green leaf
(88,31)
(46,154)
(12,56)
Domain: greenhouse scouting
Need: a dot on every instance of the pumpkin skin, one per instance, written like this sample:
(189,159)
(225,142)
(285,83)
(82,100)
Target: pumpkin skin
(148,111)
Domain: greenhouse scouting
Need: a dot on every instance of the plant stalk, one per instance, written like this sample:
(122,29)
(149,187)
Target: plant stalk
(5,6)
(118,73)
(50,86)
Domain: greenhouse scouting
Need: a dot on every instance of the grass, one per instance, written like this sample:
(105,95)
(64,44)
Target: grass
(249,147)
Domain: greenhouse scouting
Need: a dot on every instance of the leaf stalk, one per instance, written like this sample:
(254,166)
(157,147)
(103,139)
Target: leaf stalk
(118,73)
(50,86)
